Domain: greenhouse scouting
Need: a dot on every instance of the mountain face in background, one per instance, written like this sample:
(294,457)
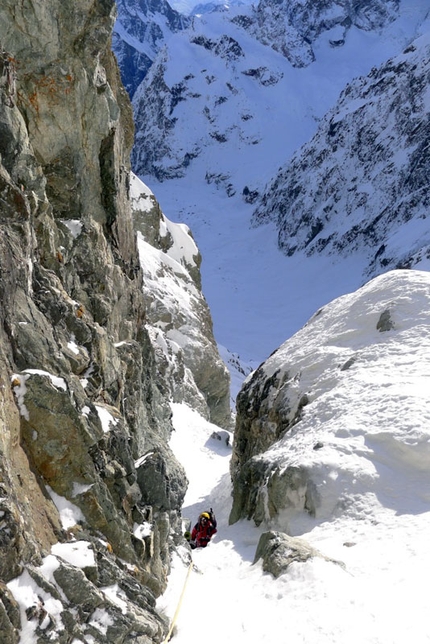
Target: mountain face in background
(362,180)
(282,115)
(141,30)
(217,88)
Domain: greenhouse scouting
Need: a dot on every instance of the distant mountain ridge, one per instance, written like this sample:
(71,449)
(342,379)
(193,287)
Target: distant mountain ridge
(363,178)
(140,31)
(216,81)
(293,27)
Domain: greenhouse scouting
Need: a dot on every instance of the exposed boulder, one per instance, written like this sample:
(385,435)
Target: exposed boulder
(278,551)
(83,591)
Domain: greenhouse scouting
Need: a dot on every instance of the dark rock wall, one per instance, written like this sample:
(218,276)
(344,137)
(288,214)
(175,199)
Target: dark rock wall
(74,350)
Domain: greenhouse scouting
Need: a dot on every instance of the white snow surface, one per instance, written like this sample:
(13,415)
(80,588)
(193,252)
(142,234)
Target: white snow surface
(70,514)
(374,421)
(106,418)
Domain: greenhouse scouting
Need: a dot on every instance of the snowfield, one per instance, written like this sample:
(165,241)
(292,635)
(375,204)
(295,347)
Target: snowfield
(376,423)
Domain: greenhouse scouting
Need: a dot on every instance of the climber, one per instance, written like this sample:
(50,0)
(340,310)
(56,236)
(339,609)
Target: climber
(204,530)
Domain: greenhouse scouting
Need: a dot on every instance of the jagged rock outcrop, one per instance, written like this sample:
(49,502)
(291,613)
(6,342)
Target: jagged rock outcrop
(292,28)
(141,29)
(178,317)
(90,493)
(306,449)
(362,179)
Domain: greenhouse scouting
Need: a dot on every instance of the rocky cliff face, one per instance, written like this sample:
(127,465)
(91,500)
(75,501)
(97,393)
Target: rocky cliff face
(361,182)
(90,492)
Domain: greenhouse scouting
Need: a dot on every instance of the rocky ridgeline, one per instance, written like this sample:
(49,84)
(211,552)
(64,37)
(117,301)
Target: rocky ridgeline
(292,28)
(84,416)
(363,177)
(140,32)
(178,319)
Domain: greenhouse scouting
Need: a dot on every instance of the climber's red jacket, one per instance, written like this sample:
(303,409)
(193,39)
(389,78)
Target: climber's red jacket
(202,533)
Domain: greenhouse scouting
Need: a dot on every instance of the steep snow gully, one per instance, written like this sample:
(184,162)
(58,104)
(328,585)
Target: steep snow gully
(374,466)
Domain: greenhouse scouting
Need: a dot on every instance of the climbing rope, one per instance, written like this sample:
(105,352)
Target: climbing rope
(178,608)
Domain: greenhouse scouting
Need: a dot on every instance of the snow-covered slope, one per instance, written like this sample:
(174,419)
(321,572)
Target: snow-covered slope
(370,419)
(200,115)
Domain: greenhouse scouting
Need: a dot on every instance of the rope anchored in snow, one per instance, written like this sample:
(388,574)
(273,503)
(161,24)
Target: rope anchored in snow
(178,608)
